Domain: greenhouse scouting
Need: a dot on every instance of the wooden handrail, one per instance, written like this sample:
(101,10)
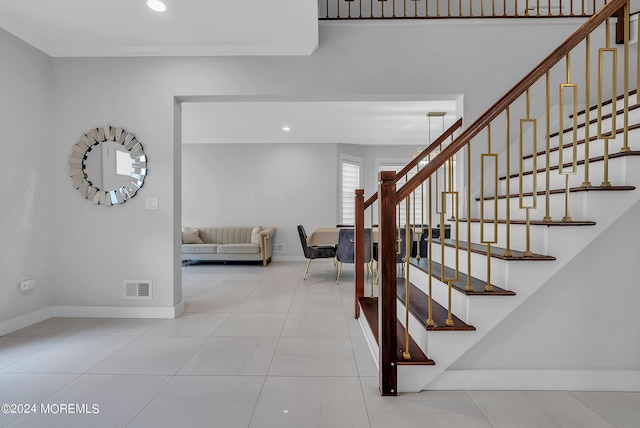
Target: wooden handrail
(404,171)
(511,96)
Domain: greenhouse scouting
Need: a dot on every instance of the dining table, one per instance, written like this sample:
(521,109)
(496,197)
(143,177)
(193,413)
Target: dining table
(329,236)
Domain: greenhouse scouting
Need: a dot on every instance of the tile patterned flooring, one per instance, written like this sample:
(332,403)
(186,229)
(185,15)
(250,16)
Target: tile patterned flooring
(257,348)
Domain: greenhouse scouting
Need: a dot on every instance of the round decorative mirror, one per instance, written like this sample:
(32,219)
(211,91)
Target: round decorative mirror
(108,165)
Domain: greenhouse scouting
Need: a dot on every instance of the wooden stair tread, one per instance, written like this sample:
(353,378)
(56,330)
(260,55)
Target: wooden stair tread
(572,190)
(419,307)
(580,162)
(535,222)
(497,252)
(369,308)
(461,284)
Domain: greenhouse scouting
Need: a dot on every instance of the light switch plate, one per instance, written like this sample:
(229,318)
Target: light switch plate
(151,203)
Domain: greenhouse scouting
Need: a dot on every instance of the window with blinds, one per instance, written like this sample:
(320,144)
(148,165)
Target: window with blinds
(416,203)
(350,181)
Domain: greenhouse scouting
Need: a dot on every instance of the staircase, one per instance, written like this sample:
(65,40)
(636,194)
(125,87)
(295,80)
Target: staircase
(522,201)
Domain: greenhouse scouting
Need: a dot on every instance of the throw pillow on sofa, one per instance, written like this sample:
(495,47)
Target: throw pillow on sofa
(191,235)
(255,235)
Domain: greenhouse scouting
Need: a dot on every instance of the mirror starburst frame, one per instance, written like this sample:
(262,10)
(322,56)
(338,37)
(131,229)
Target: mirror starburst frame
(78,173)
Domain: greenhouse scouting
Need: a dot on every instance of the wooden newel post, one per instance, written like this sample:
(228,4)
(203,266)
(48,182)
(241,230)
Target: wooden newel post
(359,249)
(387,320)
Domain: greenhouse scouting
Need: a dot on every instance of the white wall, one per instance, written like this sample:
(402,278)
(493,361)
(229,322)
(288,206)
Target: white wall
(279,185)
(91,249)
(25,193)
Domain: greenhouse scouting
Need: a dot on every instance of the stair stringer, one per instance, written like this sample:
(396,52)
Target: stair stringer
(486,312)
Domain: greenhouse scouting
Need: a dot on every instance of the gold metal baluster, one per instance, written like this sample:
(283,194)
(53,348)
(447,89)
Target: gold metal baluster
(607,136)
(504,8)
(627,24)
(404,15)
(547,191)
(587,111)
(394,8)
(421,234)
(526,7)
(371,8)
(414,205)
(449,8)
(507,251)
(338,7)
(482,8)
(549,8)
(493,7)
(534,168)
(483,239)
(374,275)
(407,228)
(430,322)
(349,16)
(438,8)
(469,287)
(516,11)
(574,143)
(470,7)
(449,281)
(360,7)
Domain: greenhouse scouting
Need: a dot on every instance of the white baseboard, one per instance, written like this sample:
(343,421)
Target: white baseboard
(34,317)
(22,321)
(538,380)
(113,311)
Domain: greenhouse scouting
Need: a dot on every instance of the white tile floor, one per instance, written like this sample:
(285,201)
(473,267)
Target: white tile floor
(256,348)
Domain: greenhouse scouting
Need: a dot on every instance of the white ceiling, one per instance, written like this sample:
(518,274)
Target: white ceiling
(92,28)
(348,122)
(69,28)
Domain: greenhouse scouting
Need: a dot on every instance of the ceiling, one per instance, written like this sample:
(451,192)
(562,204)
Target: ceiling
(348,122)
(90,28)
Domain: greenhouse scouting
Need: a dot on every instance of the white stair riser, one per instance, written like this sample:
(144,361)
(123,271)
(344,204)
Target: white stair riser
(478,264)
(557,207)
(576,177)
(440,293)
(539,236)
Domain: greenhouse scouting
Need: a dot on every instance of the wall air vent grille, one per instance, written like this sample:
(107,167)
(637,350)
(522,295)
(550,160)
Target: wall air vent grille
(137,289)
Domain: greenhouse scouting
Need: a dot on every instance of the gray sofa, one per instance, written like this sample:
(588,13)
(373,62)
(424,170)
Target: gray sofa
(226,244)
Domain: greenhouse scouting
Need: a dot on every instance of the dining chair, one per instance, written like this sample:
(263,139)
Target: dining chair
(401,250)
(345,250)
(313,252)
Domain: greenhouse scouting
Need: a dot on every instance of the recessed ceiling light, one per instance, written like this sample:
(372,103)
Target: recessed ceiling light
(286,128)
(156,5)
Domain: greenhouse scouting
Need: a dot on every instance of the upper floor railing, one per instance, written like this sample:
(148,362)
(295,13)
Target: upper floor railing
(421,9)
